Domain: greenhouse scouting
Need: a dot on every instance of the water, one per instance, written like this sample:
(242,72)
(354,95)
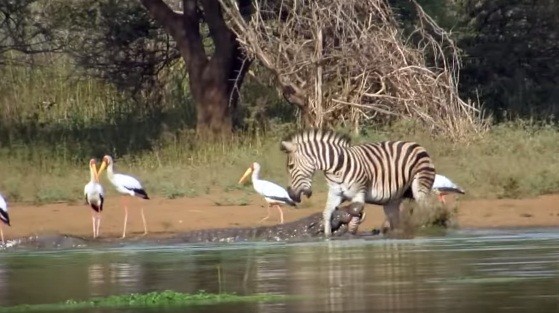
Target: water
(464,271)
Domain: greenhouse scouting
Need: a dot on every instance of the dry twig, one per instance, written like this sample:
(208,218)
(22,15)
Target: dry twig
(348,61)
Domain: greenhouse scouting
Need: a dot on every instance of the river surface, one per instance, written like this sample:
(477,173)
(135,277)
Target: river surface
(463,271)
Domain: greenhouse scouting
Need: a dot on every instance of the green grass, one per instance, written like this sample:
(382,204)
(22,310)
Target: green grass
(54,120)
(511,161)
(149,300)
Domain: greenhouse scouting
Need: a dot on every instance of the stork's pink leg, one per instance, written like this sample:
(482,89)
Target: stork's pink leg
(280,212)
(144,220)
(98,223)
(2,234)
(267,216)
(441,198)
(93,223)
(125,216)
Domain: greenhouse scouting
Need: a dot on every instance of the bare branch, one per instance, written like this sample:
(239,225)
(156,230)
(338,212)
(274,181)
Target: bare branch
(349,61)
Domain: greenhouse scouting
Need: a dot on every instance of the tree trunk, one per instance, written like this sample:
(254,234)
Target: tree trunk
(214,80)
(213,109)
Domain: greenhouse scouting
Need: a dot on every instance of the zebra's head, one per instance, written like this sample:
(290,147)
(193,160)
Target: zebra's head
(301,168)
(307,152)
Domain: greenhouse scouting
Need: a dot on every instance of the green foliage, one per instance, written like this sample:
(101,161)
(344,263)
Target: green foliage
(69,117)
(156,299)
(23,30)
(442,11)
(511,52)
(114,40)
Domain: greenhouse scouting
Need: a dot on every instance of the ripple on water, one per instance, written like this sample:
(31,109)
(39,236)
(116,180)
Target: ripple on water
(464,271)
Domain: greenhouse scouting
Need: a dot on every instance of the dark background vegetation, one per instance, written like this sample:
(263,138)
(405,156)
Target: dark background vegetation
(510,65)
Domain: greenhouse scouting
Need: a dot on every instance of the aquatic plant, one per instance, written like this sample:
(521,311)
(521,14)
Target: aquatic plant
(165,298)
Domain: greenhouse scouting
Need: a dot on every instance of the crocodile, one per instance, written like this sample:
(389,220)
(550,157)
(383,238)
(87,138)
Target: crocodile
(345,220)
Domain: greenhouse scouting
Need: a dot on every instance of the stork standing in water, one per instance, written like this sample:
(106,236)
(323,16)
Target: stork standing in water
(3,216)
(274,194)
(127,186)
(94,196)
(444,186)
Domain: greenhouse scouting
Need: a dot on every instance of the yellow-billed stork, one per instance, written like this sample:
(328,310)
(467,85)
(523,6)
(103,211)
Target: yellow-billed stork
(3,216)
(94,196)
(126,185)
(274,195)
(444,186)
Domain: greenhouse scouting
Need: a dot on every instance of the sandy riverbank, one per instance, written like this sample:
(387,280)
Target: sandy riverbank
(166,217)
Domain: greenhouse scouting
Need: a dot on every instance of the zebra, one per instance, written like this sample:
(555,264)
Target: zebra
(382,173)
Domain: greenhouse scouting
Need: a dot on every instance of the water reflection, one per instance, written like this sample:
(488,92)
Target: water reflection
(110,278)
(463,272)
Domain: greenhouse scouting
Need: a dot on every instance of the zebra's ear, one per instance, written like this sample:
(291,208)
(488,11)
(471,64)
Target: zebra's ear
(288,147)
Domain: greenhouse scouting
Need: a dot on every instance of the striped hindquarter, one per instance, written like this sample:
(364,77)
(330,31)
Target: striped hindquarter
(380,173)
(391,170)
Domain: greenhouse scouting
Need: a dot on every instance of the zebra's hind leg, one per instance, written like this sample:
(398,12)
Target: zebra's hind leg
(392,213)
(421,186)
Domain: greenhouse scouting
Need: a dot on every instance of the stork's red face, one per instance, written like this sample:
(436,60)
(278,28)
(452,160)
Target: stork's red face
(107,159)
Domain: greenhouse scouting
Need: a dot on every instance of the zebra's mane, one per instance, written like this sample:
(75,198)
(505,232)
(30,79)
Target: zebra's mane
(318,135)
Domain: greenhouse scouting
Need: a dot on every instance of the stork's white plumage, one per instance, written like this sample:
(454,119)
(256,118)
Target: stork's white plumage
(94,196)
(4,217)
(443,186)
(274,195)
(126,185)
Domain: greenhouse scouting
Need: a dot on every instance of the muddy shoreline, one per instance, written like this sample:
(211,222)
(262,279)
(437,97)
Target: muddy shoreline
(305,229)
(168,219)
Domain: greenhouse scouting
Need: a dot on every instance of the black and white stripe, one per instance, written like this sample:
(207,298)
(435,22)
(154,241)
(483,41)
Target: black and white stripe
(139,192)
(4,217)
(96,205)
(382,173)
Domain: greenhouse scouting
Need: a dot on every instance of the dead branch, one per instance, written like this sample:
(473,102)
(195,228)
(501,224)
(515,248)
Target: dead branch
(348,62)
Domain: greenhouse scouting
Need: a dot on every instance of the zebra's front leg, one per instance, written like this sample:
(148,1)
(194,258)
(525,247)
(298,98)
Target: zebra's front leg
(334,199)
(392,213)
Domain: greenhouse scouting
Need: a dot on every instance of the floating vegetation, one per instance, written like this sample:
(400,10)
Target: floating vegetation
(481,280)
(165,298)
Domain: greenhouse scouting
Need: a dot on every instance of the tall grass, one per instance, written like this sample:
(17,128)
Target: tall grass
(52,123)
(512,161)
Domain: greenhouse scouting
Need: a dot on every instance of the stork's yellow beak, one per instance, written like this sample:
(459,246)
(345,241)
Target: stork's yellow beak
(245,175)
(102,168)
(93,169)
